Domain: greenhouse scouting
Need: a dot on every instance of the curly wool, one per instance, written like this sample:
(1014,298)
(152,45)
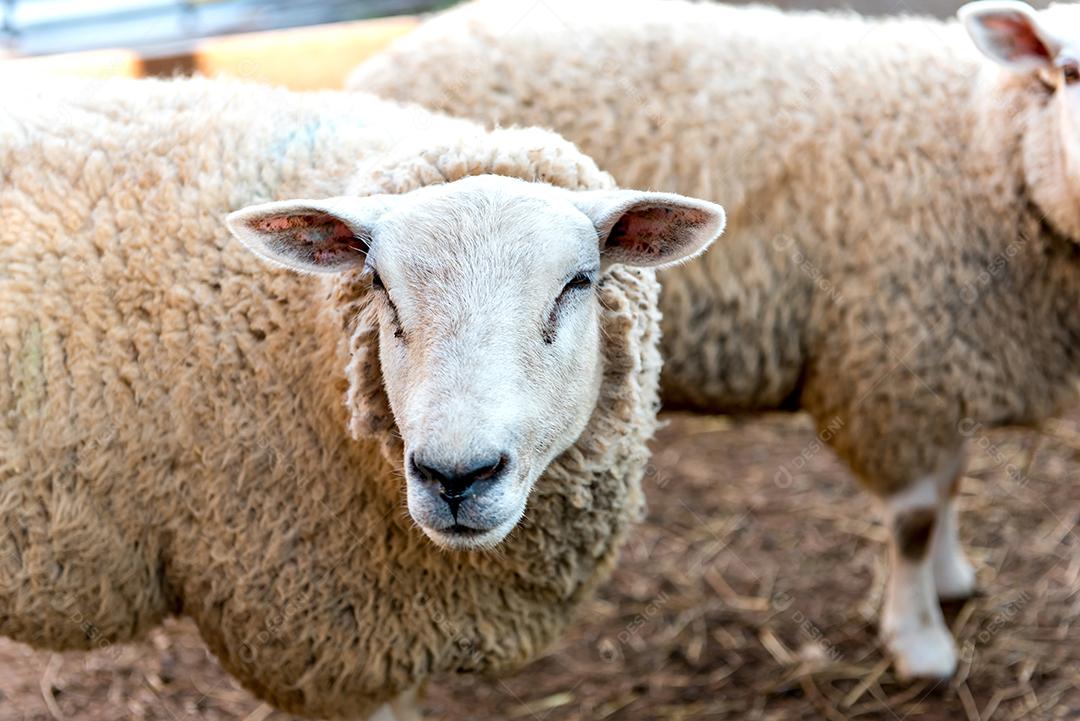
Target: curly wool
(885,267)
(174,436)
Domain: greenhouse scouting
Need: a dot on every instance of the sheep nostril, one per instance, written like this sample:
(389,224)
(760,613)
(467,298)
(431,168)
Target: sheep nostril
(460,480)
(425,471)
(490,471)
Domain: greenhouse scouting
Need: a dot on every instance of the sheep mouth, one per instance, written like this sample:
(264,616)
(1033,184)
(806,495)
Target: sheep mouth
(459,529)
(459,537)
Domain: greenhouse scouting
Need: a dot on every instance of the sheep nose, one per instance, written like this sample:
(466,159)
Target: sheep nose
(459,481)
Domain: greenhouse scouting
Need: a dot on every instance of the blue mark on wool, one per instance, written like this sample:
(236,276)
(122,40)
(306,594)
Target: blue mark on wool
(304,137)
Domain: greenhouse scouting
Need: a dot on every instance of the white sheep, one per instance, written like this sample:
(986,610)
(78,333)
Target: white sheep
(186,430)
(902,260)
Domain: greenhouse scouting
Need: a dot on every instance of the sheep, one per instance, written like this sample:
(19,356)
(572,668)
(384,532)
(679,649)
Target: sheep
(902,259)
(187,429)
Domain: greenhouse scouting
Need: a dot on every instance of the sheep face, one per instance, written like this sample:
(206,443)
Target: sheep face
(489,330)
(1043,49)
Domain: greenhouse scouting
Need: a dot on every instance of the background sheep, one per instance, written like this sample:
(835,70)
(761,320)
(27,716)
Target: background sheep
(174,436)
(905,267)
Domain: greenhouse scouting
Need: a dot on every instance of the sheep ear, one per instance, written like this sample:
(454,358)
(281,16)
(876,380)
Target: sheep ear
(650,229)
(1008,32)
(312,236)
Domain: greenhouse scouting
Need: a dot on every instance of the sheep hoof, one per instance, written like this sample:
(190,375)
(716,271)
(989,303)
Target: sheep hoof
(927,652)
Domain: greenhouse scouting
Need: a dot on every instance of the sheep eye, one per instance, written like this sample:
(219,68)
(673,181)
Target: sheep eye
(581,281)
(1071,73)
(377,284)
(376,281)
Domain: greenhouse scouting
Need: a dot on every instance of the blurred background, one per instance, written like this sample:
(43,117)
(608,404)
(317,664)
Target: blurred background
(39,27)
(304,45)
(939,8)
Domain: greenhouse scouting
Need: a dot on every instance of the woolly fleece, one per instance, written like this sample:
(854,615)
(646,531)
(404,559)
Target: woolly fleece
(174,431)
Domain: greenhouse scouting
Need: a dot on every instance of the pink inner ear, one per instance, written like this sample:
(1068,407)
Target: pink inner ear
(318,239)
(308,227)
(655,231)
(1014,34)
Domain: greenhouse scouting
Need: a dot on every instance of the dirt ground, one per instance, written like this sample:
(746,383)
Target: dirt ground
(750,592)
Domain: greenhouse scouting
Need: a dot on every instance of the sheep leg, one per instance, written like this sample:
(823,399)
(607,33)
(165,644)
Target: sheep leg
(403,708)
(954,576)
(912,626)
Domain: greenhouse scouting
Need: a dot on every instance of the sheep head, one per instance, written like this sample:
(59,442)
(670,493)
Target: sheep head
(484,293)
(1041,51)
